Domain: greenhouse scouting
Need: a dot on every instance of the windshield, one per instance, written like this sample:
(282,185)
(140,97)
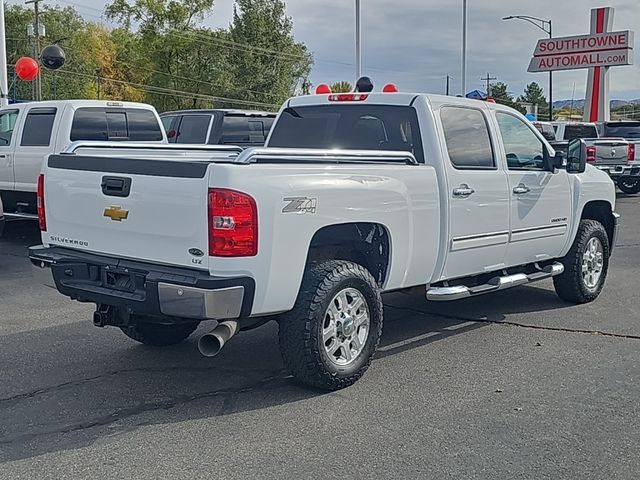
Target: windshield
(622,129)
(351,127)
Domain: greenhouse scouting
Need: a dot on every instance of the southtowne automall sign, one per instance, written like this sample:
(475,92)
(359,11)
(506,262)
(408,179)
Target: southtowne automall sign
(583,51)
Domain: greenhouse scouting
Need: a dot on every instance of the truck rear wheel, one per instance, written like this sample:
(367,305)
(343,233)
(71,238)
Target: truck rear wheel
(158,335)
(329,338)
(629,186)
(586,264)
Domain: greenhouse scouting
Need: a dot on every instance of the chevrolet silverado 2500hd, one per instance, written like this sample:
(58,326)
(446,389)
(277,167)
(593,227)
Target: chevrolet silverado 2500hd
(31,131)
(354,195)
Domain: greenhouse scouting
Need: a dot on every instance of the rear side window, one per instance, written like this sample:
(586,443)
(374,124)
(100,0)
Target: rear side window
(97,123)
(580,131)
(7,124)
(38,127)
(193,129)
(467,136)
(622,129)
(351,127)
(245,130)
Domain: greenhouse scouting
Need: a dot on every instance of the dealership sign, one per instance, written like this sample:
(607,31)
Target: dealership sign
(583,51)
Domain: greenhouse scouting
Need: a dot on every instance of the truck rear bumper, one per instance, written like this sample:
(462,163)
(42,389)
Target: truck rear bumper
(621,171)
(142,288)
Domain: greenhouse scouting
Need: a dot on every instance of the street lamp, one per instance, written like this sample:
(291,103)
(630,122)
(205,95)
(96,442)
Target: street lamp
(545,26)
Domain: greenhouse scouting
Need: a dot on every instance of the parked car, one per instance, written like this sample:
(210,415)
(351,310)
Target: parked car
(355,194)
(546,129)
(245,128)
(31,131)
(630,131)
(613,155)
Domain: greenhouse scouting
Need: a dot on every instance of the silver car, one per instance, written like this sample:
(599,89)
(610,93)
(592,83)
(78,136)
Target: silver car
(1,218)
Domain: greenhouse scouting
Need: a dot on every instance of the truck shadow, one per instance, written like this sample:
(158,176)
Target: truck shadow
(66,387)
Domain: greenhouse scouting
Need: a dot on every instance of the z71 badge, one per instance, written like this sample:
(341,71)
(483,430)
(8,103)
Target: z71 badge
(300,205)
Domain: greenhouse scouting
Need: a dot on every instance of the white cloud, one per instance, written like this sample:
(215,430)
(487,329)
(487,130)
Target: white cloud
(416,43)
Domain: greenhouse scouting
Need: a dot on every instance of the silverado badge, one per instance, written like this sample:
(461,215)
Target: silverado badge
(116,213)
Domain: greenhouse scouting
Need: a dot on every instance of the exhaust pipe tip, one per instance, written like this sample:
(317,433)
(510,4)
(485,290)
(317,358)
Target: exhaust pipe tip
(210,344)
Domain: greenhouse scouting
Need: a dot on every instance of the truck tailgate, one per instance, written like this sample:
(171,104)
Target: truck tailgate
(611,152)
(151,210)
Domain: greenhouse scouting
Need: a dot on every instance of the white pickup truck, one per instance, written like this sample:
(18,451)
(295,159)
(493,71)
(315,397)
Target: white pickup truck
(354,195)
(29,132)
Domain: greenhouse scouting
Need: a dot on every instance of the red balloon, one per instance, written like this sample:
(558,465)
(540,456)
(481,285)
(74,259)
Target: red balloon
(27,69)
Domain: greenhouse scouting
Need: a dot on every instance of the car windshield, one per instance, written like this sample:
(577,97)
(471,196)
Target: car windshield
(622,129)
(351,127)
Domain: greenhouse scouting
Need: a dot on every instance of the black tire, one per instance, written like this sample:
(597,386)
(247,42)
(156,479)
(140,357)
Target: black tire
(158,335)
(301,340)
(629,186)
(571,285)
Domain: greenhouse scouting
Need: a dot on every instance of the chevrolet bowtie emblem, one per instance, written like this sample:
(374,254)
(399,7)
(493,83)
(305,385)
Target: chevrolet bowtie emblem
(116,213)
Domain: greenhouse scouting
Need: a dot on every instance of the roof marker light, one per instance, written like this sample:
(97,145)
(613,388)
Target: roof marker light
(323,89)
(390,88)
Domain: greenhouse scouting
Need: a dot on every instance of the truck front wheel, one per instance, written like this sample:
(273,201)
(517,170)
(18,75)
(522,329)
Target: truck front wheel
(158,335)
(329,338)
(586,264)
(629,186)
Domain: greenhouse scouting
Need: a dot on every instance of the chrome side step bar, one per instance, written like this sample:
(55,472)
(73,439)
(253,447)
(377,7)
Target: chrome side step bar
(444,294)
(21,216)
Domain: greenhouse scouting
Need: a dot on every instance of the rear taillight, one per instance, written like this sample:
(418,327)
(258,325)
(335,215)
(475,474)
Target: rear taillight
(591,154)
(348,97)
(42,216)
(631,153)
(233,224)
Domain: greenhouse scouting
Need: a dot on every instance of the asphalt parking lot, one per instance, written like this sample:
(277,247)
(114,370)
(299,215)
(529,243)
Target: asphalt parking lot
(510,386)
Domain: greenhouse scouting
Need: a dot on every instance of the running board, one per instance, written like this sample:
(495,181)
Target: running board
(21,216)
(443,294)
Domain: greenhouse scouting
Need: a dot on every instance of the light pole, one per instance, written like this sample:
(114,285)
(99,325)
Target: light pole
(545,26)
(464,48)
(358,41)
(4,84)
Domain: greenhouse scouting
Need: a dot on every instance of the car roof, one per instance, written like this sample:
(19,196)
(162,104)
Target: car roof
(79,103)
(226,111)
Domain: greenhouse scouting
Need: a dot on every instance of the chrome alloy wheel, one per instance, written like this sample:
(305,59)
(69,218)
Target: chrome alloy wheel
(592,263)
(346,326)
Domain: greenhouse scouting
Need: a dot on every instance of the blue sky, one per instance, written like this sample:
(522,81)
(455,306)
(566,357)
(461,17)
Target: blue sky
(416,43)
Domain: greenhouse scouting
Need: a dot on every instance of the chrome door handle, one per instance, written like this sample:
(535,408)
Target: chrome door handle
(463,191)
(521,189)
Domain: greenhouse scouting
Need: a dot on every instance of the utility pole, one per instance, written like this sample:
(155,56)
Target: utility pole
(464,48)
(4,84)
(358,41)
(488,79)
(36,44)
(447,88)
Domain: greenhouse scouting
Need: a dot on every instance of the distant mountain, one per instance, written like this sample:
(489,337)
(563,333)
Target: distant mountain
(579,103)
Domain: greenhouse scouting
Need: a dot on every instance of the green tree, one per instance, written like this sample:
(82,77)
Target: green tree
(534,95)
(268,65)
(500,93)
(341,87)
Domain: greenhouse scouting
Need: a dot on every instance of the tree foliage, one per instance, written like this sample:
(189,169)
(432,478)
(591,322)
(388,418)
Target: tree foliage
(341,87)
(500,93)
(534,95)
(160,53)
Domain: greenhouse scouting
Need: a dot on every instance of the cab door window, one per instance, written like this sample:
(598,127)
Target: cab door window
(523,148)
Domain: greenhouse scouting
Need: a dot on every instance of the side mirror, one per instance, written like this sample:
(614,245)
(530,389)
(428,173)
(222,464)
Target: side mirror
(577,156)
(555,163)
